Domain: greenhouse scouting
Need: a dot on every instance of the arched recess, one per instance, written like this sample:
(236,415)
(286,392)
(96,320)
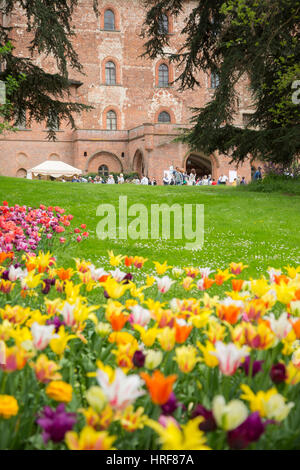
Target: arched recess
(22,160)
(99,158)
(21,173)
(203,164)
(54,157)
(138,164)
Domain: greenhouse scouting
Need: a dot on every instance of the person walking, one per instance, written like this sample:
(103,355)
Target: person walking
(257,174)
(192,177)
(178,177)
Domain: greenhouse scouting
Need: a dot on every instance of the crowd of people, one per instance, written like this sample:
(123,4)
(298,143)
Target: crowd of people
(175,177)
(112,180)
(179,176)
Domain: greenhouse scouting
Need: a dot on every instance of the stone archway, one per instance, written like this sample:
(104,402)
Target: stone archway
(138,164)
(21,173)
(98,159)
(203,164)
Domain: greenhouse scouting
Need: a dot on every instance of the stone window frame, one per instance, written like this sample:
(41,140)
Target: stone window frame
(170,23)
(118,117)
(117,69)
(117,19)
(170,73)
(166,110)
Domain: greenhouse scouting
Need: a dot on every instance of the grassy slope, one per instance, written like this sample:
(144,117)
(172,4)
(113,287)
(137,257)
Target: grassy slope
(261,230)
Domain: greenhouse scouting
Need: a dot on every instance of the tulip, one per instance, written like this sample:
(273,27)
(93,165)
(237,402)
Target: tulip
(229,357)
(171,405)
(249,431)
(55,423)
(164,284)
(153,359)
(209,422)
(122,390)
(139,315)
(139,359)
(229,416)
(96,398)
(278,373)
(256,366)
(42,335)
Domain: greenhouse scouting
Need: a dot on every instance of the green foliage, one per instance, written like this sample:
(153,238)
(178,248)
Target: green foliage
(43,96)
(237,39)
(274,184)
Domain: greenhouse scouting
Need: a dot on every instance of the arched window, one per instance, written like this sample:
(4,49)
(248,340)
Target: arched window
(103,170)
(214,80)
(164,24)
(163,75)
(110,73)
(111,121)
(164,117)
(109,20)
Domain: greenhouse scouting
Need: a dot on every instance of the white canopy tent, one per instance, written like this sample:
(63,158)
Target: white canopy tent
(55,169)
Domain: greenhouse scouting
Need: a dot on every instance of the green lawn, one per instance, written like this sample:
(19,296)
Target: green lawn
(260,229)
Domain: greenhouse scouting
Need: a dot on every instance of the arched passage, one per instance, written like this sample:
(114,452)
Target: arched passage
(21,173)
(138,163)
(98,159)
(201,163)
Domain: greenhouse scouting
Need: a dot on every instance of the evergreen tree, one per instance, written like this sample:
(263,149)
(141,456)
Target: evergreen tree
(232,39)
(42,95)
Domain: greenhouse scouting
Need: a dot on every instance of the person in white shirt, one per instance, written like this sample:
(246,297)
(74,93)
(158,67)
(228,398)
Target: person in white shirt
(224,179)
(205,180)
(120,179)
(144,180)
(192,178)
(110,179)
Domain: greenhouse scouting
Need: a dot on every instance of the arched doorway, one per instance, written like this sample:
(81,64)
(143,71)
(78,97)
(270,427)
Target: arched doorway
(138,163)
(21,173)
(202,165)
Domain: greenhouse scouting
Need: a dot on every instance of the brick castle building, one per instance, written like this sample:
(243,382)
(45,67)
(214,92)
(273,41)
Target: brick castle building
(137,111)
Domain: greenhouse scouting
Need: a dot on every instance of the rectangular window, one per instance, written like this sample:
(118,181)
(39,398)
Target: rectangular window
(20,122)
(214,80)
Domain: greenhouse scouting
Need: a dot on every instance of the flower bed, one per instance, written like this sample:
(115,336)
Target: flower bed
(92,359)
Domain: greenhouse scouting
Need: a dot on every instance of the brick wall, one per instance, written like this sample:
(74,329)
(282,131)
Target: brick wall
(137,100)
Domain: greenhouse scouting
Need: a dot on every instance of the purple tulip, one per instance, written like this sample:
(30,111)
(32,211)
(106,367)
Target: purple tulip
(56,322)
(55,423)
(128,278)
(209,423)
(249,431)
(256,366)
(139,359)
(171,405)
(278,373)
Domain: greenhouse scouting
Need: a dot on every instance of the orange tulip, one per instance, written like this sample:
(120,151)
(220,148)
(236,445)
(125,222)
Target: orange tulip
(297,294)
(159,386)
(128,261)
(207,282)
(281,278)
(296,327)
(229,313)
(4,256)
(64,274)
(118,321)
(182,332)
(237,284)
